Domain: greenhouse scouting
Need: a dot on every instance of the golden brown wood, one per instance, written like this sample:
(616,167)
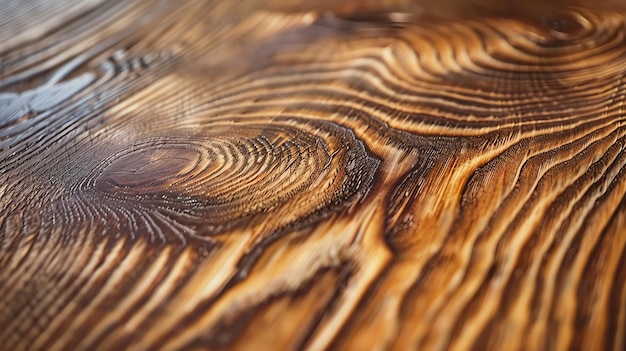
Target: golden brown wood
(184,175)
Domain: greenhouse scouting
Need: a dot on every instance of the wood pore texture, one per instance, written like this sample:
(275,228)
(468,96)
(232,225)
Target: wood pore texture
(281,175)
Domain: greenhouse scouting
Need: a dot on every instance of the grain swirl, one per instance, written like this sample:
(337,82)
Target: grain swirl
(186,175)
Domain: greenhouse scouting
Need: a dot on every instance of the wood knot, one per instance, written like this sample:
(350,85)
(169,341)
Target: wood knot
(564,26)
(149,168)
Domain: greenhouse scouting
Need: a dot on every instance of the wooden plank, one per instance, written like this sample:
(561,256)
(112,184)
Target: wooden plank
(185,175)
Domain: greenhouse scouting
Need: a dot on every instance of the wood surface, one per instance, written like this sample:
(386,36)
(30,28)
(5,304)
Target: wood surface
(279,175)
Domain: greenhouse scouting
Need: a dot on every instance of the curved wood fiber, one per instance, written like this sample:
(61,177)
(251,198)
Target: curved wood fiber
(350,175)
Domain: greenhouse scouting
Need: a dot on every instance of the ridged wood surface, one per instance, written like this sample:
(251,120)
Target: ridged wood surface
(186,175)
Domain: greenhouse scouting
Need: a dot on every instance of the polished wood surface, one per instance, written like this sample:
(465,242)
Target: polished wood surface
(354,175)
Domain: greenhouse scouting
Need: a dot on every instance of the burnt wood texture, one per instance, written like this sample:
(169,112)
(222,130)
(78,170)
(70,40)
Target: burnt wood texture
(354,175)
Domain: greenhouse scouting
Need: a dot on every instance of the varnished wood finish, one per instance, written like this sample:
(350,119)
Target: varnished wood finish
(345,175)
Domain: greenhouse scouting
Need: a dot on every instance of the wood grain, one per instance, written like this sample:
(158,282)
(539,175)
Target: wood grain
(185,175)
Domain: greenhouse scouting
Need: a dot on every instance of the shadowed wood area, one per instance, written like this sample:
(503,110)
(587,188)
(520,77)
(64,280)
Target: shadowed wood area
(351,175)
